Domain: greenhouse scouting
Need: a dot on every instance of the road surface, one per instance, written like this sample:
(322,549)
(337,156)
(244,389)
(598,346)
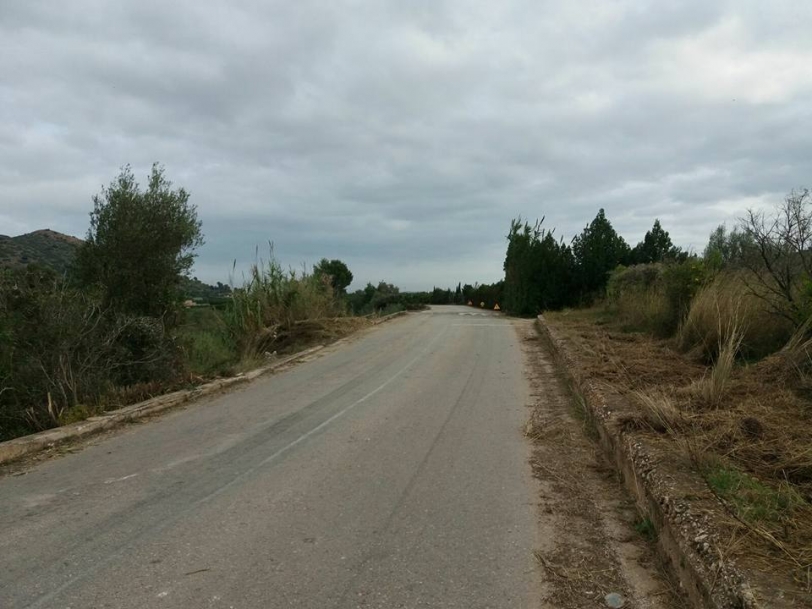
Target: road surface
(390,471)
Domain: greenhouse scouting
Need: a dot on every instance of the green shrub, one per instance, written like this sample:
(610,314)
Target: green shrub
(264,311)
(654,298)
(209,353)
(681,282)
(60,350)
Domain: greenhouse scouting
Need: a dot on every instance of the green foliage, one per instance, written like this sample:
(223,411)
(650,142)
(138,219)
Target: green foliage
(338,272)
(201,293)
(655,247)
(752,500)
(139,244)
(538,270)
(383,298)
(208,347)
(42,247)
(655,297)
(681,283)
(263,313)
(598,250)
(486,295)
(208,352)
(61,350)
(727,249)
(645,528)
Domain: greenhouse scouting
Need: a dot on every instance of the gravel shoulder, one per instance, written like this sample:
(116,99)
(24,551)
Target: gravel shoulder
(594,543)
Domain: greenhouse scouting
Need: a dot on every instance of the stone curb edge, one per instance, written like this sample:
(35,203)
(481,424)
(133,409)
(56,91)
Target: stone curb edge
(682,537)
(386,318)
(11,450)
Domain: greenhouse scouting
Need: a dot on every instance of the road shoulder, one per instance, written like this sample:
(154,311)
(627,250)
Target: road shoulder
(592,540)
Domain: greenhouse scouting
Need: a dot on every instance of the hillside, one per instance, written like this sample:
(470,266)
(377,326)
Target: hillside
(57,251)
(45,247)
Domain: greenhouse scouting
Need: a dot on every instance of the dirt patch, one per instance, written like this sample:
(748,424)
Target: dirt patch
(745,462)
(594,543)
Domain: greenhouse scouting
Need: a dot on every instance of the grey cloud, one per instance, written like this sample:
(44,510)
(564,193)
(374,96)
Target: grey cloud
(403,137)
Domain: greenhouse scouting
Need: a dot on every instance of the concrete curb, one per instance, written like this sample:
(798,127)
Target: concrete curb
(17,448)
(684,539)
(386,318)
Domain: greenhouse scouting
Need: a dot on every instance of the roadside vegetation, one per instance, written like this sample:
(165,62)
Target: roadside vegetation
(712,351)
(89,326)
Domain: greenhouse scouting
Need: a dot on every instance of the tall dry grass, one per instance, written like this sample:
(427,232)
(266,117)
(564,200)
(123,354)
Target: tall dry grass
(265,311)
(726,306)
(712,388)
(644,309)
(659,411)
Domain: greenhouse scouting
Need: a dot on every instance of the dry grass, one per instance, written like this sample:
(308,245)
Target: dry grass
(275,309)
(744,428)
(644,310)
(797,353)
(659,411)
(724,305)
(711,389)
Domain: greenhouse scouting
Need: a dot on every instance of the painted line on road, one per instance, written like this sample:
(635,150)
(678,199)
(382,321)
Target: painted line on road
(322,425)
(114,480)
(482,325)
(39,602)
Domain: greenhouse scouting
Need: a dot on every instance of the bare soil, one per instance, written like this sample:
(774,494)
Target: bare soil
(593,540)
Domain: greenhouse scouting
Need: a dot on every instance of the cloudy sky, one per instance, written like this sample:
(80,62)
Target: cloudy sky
(402,136)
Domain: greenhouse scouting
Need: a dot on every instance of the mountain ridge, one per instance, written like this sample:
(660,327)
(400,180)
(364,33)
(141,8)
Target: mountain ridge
(45,246)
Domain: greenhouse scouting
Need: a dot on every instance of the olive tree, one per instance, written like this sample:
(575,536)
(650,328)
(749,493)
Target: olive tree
(140,244)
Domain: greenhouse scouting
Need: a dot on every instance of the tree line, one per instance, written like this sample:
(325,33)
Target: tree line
(543,272)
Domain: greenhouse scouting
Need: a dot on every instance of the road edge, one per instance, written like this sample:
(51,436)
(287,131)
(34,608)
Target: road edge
(24,446)
(682,538)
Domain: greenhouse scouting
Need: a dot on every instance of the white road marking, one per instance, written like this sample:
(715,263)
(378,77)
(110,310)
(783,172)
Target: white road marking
(114,480)
(92,569)
(482,325)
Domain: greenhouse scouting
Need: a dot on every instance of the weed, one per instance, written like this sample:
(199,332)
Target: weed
(209,352)
(77,413)
(753,501)
(646,529)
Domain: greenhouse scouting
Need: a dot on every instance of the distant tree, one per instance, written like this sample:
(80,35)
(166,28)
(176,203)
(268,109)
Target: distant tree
(521,293)
(598,250)
(490,294)
(340,275)
(727,248)
(655,247)
(385,294)
(140,243)
(440,296)
(458,294)
(538,270)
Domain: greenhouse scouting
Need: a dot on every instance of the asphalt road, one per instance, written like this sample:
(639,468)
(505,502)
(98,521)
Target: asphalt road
(390,471)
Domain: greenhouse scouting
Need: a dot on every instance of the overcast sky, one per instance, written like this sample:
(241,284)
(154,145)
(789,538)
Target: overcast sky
(403,136)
